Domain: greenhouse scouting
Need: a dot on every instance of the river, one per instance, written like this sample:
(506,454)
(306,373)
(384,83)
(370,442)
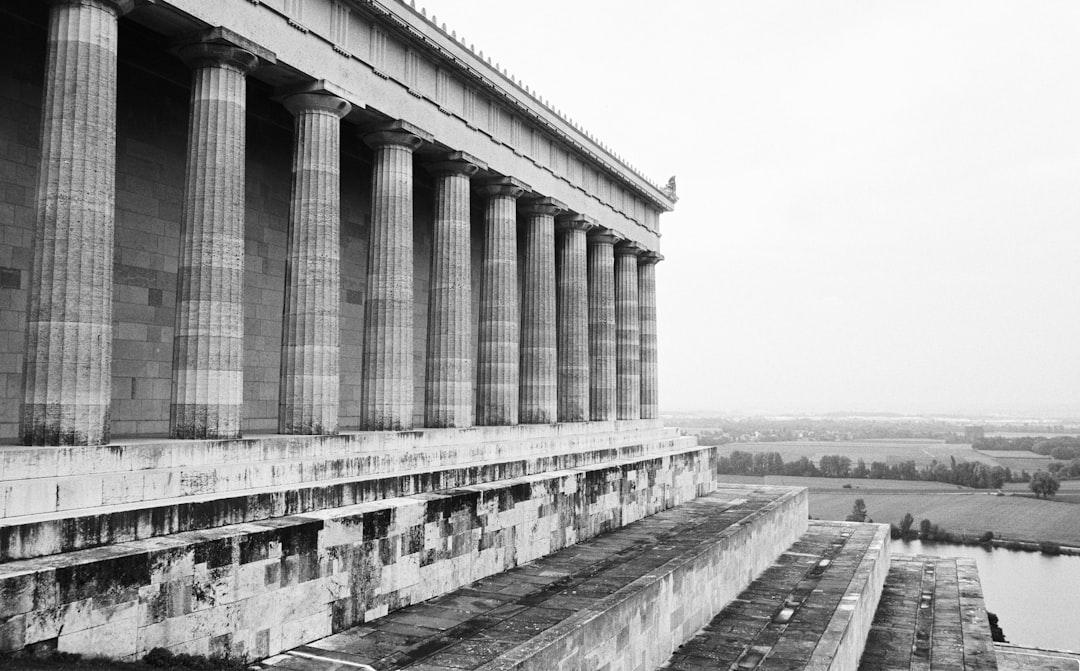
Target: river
(1034,595)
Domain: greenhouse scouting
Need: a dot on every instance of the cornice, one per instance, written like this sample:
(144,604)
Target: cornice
(404,20)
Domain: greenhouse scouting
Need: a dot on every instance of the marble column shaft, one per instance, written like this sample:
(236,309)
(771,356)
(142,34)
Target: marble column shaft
(387,376)
(310,370)
(498,339)
(539,396)
(602,372)
(67,369)
(208,346)
(628,334)
(572,304)
(650,400)
(448,397)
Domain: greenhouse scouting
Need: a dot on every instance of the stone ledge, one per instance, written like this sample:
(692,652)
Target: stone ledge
(624,599)
(931,615)
(70,530)
(257,588)
(46,480)
(810,610)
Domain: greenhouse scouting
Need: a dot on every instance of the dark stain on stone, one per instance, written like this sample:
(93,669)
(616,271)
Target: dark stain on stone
(214,553)
(300,538)
(376,524)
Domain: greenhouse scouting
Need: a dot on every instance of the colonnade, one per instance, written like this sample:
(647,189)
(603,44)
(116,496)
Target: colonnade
(580,346)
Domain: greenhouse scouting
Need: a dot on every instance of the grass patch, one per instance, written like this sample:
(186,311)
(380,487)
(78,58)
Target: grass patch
(1012,517)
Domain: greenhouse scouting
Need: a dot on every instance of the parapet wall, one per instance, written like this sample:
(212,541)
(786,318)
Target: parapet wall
(255,589)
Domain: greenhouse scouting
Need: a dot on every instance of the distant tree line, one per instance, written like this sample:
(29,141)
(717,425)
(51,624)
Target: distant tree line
(965,474)
(1062,448)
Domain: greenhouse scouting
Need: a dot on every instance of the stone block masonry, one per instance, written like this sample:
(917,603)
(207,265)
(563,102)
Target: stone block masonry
(255,589)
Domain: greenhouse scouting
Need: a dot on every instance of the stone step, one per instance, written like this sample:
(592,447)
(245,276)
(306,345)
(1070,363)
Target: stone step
(811,609)
(42,534)
(258,588)
(931,616)
(623,600)
(36,480)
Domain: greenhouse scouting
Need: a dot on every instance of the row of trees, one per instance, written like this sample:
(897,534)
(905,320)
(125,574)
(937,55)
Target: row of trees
(966,474)
(1062,448)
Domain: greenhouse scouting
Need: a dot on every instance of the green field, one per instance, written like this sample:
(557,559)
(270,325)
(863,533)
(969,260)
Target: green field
(1012,517)
(922,452)
(956,509)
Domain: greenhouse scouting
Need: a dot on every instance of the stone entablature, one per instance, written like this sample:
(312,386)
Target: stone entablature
(413,69)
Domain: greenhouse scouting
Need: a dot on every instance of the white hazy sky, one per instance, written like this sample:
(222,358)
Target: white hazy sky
(880,199)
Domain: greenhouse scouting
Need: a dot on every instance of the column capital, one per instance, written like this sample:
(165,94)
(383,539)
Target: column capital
(650,258)
(572,221)
(299,103)
(222,47)
(604,236)
(399,133)
(456,163)
(628,248)
(543,205)
(121,7)
(502,186)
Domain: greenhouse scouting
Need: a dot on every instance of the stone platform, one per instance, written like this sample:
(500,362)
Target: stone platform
(256,588)
(71,498)
(931,616)
(625,599)
(811,609)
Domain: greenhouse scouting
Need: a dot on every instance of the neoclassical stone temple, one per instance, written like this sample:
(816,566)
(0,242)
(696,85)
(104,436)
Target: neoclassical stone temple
(310,216)
(327,342)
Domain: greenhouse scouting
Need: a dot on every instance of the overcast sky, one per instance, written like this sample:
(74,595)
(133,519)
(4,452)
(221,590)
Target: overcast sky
(879,199)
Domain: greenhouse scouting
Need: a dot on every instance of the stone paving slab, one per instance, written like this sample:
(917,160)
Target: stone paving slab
(931,616)
(534,616)
(803,611)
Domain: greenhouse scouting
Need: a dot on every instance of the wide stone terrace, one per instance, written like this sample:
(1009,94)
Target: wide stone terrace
(931,616)
(809,610)
(626,598)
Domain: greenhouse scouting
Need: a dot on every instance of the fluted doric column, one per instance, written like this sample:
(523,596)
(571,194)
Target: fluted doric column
(498,338)
(572,305)
(602,373)
(650,385)
(448,390)
(309,396)
(627,331)
(208,345)
(67,370)
(539,349)
(387,376)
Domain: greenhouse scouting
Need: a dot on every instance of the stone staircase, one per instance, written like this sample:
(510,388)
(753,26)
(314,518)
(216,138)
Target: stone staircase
(603,545)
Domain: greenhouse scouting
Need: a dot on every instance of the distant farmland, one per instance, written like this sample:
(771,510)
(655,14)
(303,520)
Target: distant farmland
(1012,517)
(922,452)
(956,509)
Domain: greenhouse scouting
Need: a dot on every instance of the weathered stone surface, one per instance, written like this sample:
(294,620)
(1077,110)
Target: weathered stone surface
(811,609)
(448,400)
(930,616)
(208,349)
(67,368)
(124,492)
(650,383)
(627,332)
(602,371)
(498,340)
(387,402)
(310,337)
(572,294)
(259,588)
(623,600)
(539,350)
